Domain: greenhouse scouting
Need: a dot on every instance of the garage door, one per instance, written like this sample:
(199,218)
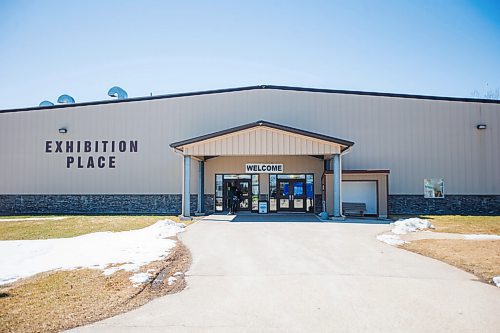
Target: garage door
(361,191)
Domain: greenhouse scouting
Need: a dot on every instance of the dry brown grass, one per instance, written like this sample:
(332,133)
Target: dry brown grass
(55,301)
(481,258)
(74,226)
(461,224)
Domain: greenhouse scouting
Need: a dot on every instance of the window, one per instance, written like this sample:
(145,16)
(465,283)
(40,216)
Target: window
(433,188)
(272,193)
(255,192)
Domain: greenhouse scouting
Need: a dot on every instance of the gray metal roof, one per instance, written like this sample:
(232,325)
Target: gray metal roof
(229,90)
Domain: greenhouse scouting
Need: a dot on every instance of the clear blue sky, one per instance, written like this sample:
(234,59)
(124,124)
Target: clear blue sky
(82,48)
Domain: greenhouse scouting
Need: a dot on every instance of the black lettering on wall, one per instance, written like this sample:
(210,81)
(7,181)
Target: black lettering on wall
(122,146)
(87,146)
(59,147)
(69,160)
(101,162)
(69,146)
(90,163)
(133,146)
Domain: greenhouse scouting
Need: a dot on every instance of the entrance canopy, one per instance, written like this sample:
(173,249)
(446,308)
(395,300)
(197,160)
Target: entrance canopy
(261,138)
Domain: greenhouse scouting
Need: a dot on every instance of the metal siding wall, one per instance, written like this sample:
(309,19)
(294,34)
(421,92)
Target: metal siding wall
(239,144)
(413,138)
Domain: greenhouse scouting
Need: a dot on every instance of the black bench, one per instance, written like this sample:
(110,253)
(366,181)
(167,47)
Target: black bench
(354,208)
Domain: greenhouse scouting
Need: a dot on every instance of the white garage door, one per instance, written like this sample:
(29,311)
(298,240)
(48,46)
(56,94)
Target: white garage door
(361,191)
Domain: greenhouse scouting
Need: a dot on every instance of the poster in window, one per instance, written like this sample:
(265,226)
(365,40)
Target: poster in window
(434,188)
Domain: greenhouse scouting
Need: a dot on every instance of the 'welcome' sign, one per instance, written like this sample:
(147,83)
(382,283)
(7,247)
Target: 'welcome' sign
(263,168)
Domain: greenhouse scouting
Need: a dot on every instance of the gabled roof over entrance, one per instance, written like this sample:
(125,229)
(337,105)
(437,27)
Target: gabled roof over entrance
(261,138)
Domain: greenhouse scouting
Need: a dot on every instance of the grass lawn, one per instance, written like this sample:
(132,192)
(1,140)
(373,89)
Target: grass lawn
(69,226)
(479,257)
(461,224)
(58,300)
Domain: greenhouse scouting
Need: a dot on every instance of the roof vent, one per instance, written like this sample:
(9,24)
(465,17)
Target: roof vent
(46,103)
(66,99)
(117,92)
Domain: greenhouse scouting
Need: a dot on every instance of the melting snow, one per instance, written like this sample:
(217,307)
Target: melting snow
(171,280)
(482,237)
(23,258)
(405,226)
(140,278)
(402,227)
(391,239)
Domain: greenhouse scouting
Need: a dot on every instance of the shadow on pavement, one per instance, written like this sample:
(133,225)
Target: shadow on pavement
(280,217)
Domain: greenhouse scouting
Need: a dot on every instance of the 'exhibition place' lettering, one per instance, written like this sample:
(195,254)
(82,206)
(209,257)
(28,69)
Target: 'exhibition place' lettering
(103,147)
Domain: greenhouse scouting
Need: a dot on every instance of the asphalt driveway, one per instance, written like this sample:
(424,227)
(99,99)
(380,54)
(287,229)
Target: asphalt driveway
(311,277)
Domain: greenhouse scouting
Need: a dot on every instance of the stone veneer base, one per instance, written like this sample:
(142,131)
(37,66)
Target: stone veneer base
(94,204)
(449,205)
(171,204)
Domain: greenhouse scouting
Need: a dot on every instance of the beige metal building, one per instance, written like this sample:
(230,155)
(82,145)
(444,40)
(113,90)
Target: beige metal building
(291,149)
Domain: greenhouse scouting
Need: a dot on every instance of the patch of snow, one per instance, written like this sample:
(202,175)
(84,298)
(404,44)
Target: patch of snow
(58,218)
(178,274)
(23,258)
(139,278)
(482,237)
(111,270)
(413,224)
(171,280)
(124,267)
(496,281)
(391,239)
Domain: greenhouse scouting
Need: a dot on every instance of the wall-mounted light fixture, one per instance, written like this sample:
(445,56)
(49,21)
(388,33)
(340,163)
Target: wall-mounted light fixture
(481,126)
(63,130)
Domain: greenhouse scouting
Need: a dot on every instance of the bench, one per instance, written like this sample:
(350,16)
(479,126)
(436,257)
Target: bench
(354,208)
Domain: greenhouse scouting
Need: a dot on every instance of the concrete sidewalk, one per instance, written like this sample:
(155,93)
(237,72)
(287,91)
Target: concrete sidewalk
(311,277)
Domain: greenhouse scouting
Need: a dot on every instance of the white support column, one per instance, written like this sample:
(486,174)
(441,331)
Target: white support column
(186,194)
(337,184)
(201,186)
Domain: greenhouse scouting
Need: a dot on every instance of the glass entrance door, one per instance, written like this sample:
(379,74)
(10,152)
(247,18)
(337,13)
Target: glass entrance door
(244,186)
(291,195)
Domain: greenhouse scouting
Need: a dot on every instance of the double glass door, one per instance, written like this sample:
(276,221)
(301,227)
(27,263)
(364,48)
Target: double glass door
(244,186)
(291,195)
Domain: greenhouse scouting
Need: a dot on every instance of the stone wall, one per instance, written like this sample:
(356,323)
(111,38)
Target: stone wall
(449,205)
(94,204)
(209,203)
(171,204)
(318,203)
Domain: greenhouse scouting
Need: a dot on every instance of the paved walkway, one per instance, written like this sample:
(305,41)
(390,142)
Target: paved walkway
(311,277)
(412,236)
(253,217)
